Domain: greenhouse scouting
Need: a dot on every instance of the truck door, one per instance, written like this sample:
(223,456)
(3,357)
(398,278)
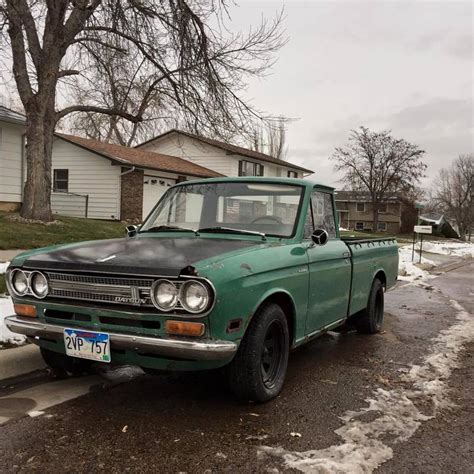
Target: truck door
(329,267)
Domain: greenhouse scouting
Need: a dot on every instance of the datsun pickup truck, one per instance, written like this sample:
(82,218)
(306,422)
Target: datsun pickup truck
(225,272)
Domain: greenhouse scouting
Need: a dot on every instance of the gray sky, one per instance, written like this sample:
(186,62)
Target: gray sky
(405,66)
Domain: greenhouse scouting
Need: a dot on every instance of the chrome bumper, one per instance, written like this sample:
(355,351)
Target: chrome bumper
(190,350)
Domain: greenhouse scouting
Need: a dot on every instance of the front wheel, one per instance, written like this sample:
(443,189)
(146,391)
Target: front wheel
(258,371)
(369,320)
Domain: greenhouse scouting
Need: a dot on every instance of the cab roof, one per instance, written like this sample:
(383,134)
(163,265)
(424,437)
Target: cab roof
(307,183)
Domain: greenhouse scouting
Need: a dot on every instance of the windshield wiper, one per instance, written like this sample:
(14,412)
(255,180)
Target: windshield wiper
(170,228)
(218,229)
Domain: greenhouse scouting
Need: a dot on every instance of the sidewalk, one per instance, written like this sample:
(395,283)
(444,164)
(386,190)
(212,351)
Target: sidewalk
(7,255)
(19,361)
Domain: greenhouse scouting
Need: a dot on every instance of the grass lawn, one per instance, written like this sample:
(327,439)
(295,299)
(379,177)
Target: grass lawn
(16,235)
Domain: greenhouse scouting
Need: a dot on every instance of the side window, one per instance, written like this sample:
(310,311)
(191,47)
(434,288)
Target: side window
(60,181)
(323,214)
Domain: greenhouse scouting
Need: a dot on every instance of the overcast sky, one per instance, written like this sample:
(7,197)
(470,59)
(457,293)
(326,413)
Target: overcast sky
(402,65)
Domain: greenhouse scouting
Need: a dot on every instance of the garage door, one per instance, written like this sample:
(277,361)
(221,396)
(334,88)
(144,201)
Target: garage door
(153,189)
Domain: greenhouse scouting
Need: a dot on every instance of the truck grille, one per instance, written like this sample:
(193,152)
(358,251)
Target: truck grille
(124,291)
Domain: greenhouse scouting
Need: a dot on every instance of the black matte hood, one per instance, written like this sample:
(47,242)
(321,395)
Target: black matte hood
(135,256)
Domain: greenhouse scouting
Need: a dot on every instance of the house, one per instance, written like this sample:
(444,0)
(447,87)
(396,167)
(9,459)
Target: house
(106,181)
(11,158)
(223,157)
(441,225)
(354,209)
(120,182)
(90,178)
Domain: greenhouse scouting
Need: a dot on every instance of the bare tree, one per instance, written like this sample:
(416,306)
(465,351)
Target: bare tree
(181,55)
(380,164)
(270,138)
(453,194)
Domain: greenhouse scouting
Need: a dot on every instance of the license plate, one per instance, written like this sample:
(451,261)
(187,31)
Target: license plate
(87,344)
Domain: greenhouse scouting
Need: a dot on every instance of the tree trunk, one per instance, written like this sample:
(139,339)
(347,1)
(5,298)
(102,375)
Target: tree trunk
(375,214)
(39,144)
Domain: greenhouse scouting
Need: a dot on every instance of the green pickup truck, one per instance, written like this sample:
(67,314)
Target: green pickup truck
(226,272)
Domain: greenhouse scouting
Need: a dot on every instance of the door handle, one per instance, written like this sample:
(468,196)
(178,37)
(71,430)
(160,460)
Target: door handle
(346,254)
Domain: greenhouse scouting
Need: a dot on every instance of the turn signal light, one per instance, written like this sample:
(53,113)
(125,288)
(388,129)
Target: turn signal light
(25,310)
(183,328)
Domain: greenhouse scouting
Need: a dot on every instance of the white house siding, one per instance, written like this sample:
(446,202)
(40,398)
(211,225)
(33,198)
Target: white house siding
(210,156)
(10,162)
(193,150)
(89,174)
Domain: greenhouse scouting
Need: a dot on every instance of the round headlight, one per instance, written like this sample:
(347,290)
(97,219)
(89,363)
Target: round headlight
(194,296)
(39,285)
(164,295)
(19,282)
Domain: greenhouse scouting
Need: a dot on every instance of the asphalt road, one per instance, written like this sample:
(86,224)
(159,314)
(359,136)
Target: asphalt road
(401,401)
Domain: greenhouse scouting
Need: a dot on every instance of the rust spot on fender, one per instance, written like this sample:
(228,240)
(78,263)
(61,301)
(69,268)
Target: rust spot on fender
(246,266)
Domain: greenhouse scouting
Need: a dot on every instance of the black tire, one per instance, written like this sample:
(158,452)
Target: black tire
(258,370)
(62,366)
(370,320)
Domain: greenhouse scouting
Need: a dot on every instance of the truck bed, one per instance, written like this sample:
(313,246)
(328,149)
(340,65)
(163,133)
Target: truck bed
(370,258)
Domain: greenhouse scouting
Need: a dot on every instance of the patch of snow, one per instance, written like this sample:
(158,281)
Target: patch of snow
(396,415)
(35,413)
(6,336)
(456,249)
(343,229)
(408,270)
(3,267)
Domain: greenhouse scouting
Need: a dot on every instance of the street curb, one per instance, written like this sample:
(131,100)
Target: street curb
(20,361)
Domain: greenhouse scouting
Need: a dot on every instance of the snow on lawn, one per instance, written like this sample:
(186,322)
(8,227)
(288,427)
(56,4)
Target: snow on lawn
(457,249)
(407,270)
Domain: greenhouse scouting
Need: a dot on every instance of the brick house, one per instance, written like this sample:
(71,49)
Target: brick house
(354,209)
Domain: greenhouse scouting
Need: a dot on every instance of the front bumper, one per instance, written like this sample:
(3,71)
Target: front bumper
(183,349)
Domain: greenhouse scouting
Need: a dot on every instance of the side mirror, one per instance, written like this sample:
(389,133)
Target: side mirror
(320,237)
(131,230)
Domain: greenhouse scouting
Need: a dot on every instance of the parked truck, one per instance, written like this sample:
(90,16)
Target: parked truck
(225,272)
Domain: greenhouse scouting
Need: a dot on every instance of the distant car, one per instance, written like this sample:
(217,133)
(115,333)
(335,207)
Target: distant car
(223,272)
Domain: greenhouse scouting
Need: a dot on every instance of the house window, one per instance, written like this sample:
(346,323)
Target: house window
(248,168)
(383,207)
(359,226)
(360,207)
(382,226)
(60,181)
(292,174)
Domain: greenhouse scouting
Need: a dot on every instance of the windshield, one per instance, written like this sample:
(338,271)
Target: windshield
(270,209)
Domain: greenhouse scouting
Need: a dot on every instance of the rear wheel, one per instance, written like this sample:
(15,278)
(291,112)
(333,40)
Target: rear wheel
(370,320)
(62,366)
(258,371)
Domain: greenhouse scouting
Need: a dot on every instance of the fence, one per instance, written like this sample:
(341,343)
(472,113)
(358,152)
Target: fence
(70,204)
